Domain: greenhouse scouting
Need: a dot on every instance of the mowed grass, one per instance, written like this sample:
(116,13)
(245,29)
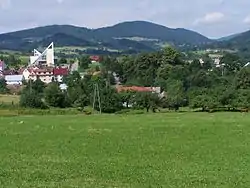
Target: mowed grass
(155,150)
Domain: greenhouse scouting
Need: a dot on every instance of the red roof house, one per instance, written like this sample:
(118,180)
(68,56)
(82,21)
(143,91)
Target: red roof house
(95,58)
(60,71)
(134,88)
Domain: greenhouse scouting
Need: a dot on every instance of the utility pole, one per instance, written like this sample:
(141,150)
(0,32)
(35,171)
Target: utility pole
(97,96)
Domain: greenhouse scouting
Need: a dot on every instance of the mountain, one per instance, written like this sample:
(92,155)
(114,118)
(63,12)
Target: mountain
(239,42)
(151,31)
(242,38)
(227,38)
(136,35)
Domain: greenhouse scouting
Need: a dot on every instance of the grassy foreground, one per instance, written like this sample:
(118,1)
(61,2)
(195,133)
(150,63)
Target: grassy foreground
(155,150)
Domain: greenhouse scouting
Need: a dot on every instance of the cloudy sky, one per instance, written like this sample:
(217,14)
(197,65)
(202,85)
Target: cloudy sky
(213,18)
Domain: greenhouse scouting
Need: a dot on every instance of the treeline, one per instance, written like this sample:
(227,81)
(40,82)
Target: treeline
(13,61)
(196,84)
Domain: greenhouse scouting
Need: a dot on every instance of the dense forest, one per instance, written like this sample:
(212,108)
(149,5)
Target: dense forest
(183,83)
(134,35)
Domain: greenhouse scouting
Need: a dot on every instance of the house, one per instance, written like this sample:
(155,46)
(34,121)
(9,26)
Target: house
(74,66)
(2,65)
(156,90)
(10,72)
(59,73)
(95,59)
(120,88)
(46,75)
(14,79)
(26,73)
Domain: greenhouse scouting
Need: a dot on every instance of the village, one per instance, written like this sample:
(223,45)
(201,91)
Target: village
(41,65)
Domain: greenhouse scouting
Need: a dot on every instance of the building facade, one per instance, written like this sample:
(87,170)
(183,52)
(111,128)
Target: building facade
(46,74)
(14,79)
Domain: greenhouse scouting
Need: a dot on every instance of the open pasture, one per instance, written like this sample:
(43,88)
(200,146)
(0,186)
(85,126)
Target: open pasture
(177,150)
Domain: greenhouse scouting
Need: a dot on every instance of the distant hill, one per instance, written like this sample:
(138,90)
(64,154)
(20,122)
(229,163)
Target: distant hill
(227,38)
(242,38)
(151,31)
(240,42)
(122,36)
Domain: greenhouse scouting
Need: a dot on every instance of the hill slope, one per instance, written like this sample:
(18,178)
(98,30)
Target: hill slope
(151,31)
(240,42)
(227,38)
(120,36)
(243,38)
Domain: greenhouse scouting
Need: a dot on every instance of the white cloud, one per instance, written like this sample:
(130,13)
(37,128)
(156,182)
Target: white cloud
(247,20)
(211,18)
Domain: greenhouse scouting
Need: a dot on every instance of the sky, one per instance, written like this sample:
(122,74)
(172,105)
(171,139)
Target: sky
(212,18)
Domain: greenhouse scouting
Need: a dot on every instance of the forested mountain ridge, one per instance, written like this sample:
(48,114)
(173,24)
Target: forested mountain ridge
(144,36)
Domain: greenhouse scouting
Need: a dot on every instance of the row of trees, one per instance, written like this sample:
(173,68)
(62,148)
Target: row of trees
(13,60)
(184,83)
(80,93)
(195,83)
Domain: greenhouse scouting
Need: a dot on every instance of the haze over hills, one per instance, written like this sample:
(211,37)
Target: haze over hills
(136,35)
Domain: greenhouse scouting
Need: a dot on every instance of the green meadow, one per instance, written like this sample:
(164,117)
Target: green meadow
(175,150)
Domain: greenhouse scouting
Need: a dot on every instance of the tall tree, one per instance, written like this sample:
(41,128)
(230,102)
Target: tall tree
(31,99)
(175,94)
(85,62)
(3,86)
(54,96)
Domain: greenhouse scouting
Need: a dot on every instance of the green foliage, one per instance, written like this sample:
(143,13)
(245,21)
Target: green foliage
(232,63)
(31,95)
(55,97)
(242,98)
(195,83)
(146,100)
(110,100)
(175,96)
(62,61)
(3,86)
(84,62)
(65,35)
(31,99)
(127,97)
(242,79)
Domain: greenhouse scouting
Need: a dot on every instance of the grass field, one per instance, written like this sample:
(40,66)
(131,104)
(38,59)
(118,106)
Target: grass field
(8,99)
(189,150)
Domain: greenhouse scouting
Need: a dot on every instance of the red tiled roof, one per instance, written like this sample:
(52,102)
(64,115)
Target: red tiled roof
(61,71)
(9,72)
(134,88)
(95,58)
(43,70)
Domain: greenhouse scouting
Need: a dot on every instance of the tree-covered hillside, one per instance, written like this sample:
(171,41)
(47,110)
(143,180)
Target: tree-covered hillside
(119,36)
